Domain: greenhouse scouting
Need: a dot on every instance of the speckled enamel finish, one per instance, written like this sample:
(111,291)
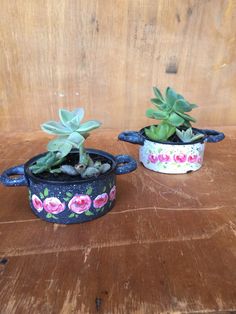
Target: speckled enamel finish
(169,157)
(84,194)
(71,202)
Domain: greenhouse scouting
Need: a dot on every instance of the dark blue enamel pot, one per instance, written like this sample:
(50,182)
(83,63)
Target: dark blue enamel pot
(67,202)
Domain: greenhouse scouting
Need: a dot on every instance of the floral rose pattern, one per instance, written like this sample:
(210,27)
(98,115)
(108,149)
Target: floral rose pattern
(180,158)
(153,158)
(192,158)
(112,194)
(199,159)
(53,205)
(163,158)
(80,203)
(37,203)
(167,158)
(100,200)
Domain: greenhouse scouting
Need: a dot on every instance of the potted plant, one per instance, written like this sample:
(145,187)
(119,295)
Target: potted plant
(172,146)
(68,183)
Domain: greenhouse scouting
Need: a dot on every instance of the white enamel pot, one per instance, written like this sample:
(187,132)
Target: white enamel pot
(171,157)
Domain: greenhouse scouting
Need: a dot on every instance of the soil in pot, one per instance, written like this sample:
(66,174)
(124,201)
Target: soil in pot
(72,159)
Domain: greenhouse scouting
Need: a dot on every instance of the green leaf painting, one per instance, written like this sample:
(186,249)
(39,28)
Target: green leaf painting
(88,213)
(45,192)
(89,191)
(49,215)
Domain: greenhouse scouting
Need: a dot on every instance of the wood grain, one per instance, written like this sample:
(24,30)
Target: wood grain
(106,55)
(168,246)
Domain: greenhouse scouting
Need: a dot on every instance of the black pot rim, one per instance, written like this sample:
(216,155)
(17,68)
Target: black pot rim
(102,153)
(201,140)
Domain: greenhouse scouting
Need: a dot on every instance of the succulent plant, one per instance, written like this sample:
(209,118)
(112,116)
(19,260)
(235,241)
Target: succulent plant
(68,169)
(46,163)
(71,134)
(187,136)
(171,110)
(92,170)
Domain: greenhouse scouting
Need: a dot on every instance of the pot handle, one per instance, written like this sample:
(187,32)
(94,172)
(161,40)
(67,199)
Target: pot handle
(212,136)
(132,137)
(6,179)
(129,164)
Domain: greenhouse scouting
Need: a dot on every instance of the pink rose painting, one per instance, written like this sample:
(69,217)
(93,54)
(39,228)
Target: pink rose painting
(163,158)
(112,194)
(53,205)
(100,200)
(80,203)
(38,204)
(153,158)
(192,158)
(199,160)
(180,158)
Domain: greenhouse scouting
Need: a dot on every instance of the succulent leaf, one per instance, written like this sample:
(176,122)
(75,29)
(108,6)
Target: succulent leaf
(60,145)
(50,160)
(54,145)
(186,117)
(88,126)
(149,113)
(160,133)
(157,102)
(187,136)
(75,139)
(171,131)
(56,170)
(71,119)
(42,160)
(105,167)
(158,94)
(68,169)
(180,97)
(79,112)
(150,134)
(182,106)
(65,116)
(197,137)
(156,114)
(36,169)
(55,128)
(193,106)
(175,119)
(90,172)
(65,149)
(187,124)
(97,164)
(75,123)
(45,163)
(171,96)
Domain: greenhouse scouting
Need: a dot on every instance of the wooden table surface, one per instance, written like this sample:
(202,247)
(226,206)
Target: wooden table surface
(168,246)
